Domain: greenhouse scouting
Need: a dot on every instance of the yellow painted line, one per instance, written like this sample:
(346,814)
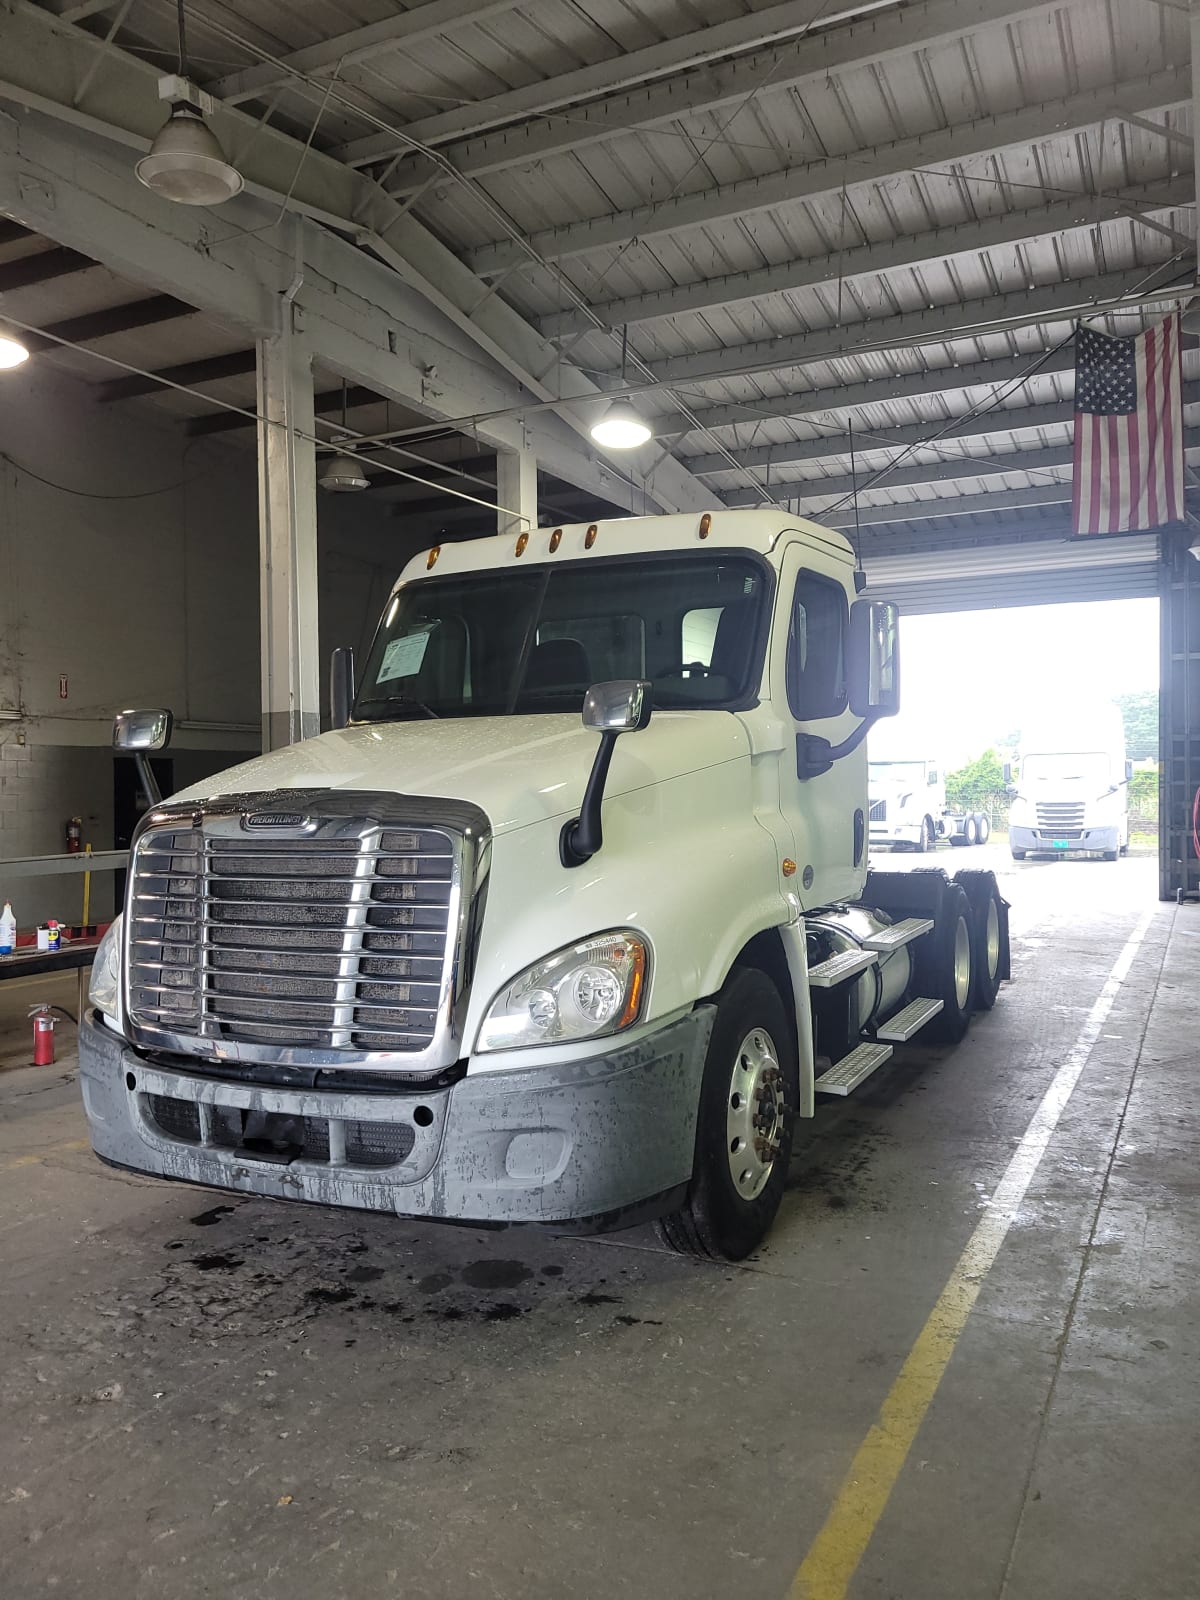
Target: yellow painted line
(41,1155)
(833,1559)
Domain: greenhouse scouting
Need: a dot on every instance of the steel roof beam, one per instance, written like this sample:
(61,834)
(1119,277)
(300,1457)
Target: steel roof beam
(447,320)
(842,398)
(834,445)
(953,505)
(685,75)
(211,369)
(43,267)
(959,469)
(967,319)
(881,256)
(357,46)
(1053,119)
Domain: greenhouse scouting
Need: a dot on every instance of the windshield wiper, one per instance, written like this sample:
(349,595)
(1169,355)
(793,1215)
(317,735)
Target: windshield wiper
(402,700)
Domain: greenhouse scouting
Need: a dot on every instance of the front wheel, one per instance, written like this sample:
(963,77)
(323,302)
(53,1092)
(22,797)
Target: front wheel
(1111,855)
(1018,855)
(983,829)
(925,842)
(744,1134)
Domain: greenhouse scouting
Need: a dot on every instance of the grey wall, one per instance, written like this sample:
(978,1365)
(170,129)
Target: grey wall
(129,566)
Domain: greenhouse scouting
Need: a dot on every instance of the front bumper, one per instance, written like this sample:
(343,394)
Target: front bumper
(1041,841)
(895,833)
(584,1141)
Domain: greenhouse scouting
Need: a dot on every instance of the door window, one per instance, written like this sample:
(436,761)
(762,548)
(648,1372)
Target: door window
(816,663)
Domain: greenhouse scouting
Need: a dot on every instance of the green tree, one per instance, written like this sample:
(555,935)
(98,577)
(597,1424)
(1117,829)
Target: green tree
(979,786)
(1139,712)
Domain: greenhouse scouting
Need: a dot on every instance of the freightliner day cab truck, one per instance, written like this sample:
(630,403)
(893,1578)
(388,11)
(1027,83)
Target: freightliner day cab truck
(467,956)
(907,799)
(1072,797)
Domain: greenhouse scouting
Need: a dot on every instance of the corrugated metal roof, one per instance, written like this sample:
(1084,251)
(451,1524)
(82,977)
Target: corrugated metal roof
(1013,109)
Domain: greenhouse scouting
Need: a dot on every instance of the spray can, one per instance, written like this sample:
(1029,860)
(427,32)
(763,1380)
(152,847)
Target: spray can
(8,931)
(53,935)
(43,1036)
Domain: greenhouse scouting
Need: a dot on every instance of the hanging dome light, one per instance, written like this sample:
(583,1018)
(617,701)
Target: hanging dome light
(342,473)
(186,163)
(620,428)
(13,349)
(1190,320)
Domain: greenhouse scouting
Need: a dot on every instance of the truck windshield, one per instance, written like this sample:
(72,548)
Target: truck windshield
(1091,766)
(504,643)
(911,773)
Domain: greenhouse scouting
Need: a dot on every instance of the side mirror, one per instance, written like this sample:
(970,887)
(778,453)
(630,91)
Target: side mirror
(1129,772)
(609,709)
(146,731)
(140,734)
(341,685)
(874,659)
(622,706)
(1008,772)
(932,779)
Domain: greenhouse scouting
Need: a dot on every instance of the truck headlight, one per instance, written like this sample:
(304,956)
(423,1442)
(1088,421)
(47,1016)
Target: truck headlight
(584,992)
(105,984)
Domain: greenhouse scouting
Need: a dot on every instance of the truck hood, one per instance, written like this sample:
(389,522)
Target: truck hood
(519,770)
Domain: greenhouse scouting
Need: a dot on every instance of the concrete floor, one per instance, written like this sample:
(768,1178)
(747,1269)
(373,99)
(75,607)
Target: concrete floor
(208,1397)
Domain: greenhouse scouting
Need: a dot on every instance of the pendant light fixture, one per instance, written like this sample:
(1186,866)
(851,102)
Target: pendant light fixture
(13,349)
(621,428)
(343,472)
(186,163)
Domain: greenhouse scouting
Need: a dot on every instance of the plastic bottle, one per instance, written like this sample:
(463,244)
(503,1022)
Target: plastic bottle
(8,930)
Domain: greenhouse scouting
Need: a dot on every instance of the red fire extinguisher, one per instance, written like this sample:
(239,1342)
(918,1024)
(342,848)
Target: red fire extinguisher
(43,1035)
(74,835)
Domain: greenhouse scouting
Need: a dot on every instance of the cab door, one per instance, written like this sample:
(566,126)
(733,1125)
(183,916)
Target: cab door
(825,810)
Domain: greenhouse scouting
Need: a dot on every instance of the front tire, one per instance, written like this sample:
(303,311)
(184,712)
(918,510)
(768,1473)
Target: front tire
(983,829)
(1018,855)
(747,1117)
(925,842)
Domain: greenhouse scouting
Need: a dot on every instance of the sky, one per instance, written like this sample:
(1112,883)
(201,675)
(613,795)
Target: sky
(969,678)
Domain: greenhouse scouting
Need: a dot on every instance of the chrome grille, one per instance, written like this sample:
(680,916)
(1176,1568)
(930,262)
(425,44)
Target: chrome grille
(1053,814)
(338,942)
(878,811)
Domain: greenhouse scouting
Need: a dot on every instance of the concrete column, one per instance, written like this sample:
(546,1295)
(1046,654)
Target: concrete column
(287,523)
(516,492)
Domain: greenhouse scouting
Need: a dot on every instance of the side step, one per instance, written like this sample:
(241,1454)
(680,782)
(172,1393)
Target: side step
(838,968)
(909,1021)
(899,933)
(850,1071)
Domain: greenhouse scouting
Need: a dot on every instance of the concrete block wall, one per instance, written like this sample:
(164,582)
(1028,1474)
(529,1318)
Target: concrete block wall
(129,567)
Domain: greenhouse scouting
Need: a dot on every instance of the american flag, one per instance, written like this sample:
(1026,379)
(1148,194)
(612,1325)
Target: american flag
(1128,430)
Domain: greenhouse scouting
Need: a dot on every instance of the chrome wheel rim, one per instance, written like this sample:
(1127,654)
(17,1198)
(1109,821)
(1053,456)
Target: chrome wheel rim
(962,963)
(755,1113)
(992,939)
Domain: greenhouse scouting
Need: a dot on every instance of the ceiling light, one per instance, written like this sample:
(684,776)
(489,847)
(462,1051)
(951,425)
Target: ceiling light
(186,163)
(342,473)
(1190,320)
(620,428)
(13,351)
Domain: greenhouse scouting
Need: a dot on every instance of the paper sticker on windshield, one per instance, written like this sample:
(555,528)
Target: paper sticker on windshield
(403,657)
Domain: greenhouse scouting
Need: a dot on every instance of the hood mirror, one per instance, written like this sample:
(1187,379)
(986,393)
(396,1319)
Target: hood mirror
(140,734)
(622,706)
(609,709)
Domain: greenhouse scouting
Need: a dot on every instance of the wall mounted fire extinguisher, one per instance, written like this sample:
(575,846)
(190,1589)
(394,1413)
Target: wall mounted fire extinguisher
(43,1035)
(74,835)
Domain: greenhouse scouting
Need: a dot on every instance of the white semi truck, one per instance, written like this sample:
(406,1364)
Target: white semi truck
(907,797)
(466,956)
(1072,797)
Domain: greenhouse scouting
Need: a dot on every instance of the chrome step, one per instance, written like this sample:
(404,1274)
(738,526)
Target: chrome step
(850,1071)
(899,933)
(909,1021)
(840,967)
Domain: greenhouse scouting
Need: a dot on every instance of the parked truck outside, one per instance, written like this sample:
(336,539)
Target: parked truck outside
(908,807)
(471,956)
(1072,796)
